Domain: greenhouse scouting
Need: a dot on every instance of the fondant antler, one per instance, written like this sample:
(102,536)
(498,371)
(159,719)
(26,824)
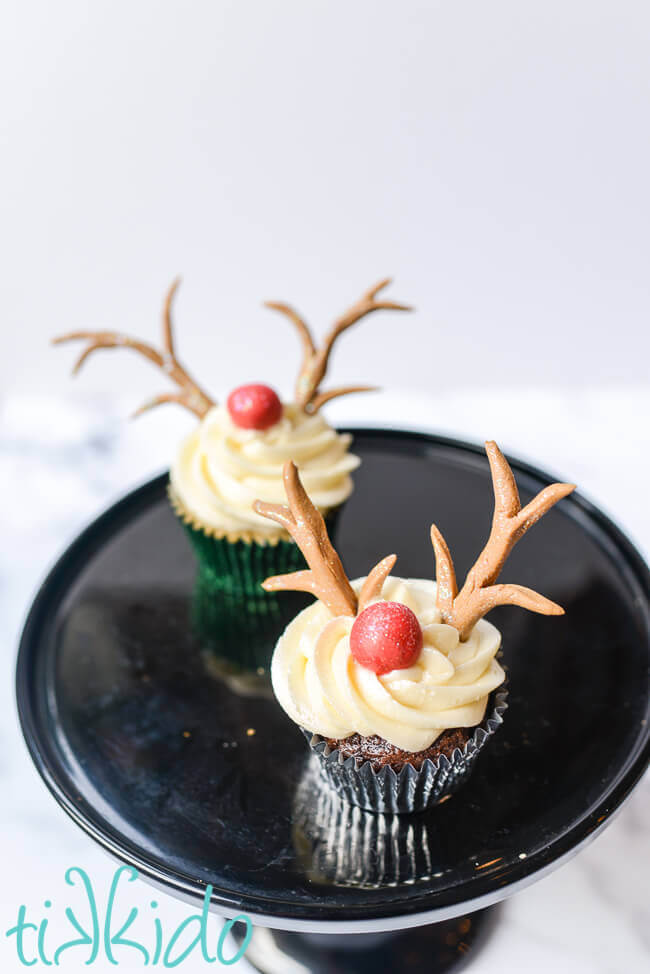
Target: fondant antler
(374,583)
(510,522)
(315,360)
(191,396)
(325,578)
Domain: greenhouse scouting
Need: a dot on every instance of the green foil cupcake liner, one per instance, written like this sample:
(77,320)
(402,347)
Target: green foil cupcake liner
(231,613)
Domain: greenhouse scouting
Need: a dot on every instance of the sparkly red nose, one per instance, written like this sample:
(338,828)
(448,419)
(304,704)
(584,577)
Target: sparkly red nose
(386,636)
(254,407)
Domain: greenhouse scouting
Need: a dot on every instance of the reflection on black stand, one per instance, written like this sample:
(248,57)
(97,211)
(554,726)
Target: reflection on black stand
(341,844)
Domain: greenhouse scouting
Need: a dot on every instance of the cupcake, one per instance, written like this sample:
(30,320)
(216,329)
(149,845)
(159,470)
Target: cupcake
(236,454)
(396,683)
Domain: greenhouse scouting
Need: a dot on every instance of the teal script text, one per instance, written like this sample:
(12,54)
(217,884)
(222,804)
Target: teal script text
(93,935)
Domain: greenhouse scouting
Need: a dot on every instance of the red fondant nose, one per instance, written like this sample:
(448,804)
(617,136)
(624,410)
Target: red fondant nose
(386,636)
(254,407)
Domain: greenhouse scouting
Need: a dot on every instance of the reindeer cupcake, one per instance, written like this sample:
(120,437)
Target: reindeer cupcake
(396,682)
(235,455)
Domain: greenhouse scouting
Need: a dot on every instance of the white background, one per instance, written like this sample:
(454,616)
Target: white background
(493,157)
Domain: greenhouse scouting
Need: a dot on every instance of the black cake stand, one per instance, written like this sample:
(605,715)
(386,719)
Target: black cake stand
(195,776)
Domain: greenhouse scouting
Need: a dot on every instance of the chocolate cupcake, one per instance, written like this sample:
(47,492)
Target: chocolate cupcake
(381,754)
(396,682)
(235,455)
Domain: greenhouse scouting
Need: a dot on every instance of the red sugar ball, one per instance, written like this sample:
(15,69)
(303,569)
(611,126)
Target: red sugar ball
(386,636)
(254,407)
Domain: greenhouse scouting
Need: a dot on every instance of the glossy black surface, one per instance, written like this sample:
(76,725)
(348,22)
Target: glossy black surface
(147,748)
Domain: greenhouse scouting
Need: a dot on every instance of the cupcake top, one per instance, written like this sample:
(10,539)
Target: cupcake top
(222,468)
(324,689)
(403,659)
(238,450)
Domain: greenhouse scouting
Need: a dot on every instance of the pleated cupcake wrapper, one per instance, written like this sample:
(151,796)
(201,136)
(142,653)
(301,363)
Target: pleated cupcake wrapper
(231,613)
(240,625)
(246,537)
(346,845)
(409,790)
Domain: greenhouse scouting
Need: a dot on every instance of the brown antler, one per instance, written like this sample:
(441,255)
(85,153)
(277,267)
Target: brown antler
(374,583)
(325,578)
(315,360)
(479,594)
(191,396)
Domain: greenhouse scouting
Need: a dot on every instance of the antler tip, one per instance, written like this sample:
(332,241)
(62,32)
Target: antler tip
(546,606)
(144,408)
(374,583)
(389,562)
(376,288)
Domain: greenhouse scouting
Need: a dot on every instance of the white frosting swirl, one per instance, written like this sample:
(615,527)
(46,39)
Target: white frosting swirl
(221,469)
(321,686)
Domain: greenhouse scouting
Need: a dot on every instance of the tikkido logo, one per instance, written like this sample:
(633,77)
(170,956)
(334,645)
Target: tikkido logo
(106,935)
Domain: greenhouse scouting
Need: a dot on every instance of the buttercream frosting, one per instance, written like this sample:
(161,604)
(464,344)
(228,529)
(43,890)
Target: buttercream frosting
(322,688)
(221,469)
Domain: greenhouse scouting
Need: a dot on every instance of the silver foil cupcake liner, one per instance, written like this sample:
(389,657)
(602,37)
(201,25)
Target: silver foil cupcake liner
(408,790)
(345,845)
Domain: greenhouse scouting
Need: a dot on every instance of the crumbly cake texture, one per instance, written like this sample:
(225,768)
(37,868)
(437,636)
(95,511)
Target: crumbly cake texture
(381,754)
(352,640)
(418,784)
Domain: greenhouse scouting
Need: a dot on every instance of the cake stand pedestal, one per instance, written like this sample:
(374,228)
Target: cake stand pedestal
(193,775)
(430,949)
